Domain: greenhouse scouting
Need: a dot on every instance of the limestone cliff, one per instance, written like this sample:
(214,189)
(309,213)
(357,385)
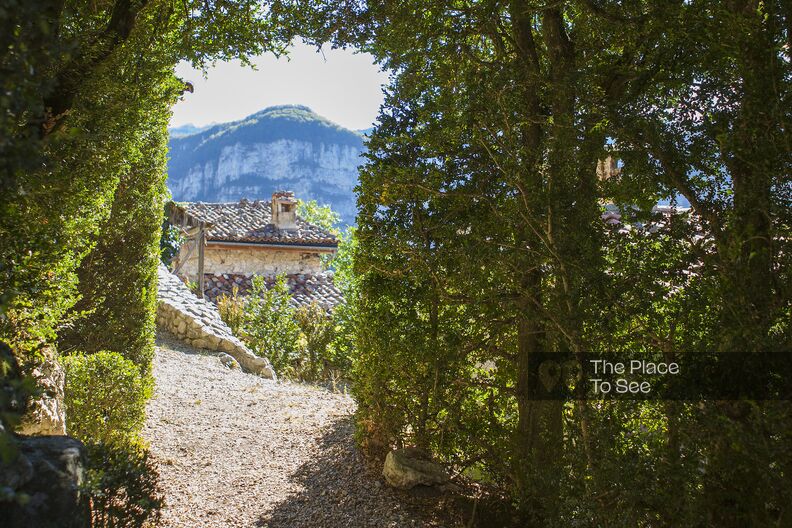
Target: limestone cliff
(282,147)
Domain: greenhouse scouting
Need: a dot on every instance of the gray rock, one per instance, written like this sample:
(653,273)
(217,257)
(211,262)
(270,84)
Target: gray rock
(46,415)
(409,467)
(47,490)
(229,361)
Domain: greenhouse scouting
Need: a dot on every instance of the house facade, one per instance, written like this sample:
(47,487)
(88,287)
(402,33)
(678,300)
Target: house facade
(249,238)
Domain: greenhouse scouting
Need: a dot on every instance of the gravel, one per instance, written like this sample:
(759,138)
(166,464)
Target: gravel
(236,450)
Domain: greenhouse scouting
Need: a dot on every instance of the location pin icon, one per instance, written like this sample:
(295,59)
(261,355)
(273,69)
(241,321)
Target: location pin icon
(549,374)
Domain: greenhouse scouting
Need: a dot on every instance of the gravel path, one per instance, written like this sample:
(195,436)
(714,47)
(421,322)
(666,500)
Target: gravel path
(236,450)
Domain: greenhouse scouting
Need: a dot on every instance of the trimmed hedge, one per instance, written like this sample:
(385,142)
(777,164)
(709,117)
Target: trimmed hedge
(118,279)
(105,398)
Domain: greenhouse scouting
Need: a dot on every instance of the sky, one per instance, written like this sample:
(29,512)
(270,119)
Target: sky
(340,85)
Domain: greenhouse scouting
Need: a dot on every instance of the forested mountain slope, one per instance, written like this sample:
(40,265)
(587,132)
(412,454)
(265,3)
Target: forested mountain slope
(281,147)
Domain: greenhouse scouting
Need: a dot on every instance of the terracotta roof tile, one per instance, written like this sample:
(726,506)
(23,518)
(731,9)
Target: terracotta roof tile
(251,221)
(305,289)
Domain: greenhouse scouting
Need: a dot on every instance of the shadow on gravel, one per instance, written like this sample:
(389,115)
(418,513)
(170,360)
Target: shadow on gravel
(166,339)
(338,491)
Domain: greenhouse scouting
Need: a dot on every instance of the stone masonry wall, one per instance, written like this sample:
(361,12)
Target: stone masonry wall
(245,261)
(197,322)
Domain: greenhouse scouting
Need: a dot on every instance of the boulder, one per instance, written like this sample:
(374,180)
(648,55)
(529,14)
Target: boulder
(229,361)
(253,363)
(42,486)
(410,467)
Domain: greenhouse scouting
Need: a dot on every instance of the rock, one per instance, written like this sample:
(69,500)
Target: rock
(16,473)
(253,363)
(50,473)
(200,343)
(229,361)
(409,467)
(46,414)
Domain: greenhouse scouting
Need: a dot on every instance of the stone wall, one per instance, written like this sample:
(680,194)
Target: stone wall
(249,261)
(197,322)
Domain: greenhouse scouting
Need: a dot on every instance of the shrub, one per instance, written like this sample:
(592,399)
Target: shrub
(317,332)
(269,327)
(232,310)
(105,397)
(123,484)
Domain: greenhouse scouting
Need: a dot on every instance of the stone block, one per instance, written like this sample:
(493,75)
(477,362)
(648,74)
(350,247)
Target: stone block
(409,467)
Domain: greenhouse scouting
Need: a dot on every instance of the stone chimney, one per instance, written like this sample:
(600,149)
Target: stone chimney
(284,210)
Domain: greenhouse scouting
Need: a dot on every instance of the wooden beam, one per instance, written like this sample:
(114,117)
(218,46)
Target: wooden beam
(182,262)
(201,244)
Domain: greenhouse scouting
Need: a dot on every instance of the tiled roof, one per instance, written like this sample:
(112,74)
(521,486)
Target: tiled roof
(305,289)
(251,221)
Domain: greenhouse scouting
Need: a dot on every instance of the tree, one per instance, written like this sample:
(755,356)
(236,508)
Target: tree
(479,203)
(482,252)
(700,105)
(88,90)
(321,215)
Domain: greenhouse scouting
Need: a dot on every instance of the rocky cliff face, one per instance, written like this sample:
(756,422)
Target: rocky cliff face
(283,147)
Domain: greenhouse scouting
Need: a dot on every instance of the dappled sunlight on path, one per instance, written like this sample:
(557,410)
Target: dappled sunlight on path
(236,450)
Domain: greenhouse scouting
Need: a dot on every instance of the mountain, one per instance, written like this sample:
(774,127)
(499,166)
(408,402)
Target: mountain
(187,130)
(282,147)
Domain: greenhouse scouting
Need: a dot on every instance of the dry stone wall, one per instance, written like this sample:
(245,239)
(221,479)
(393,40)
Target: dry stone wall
(197,322)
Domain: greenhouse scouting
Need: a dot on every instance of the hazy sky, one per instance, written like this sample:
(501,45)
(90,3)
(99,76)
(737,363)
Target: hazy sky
(340,85)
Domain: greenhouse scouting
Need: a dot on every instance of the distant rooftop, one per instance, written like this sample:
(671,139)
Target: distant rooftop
(251,222)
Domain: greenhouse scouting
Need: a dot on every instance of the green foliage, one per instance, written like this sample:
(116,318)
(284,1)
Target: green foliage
(105,398)
(270,328)
(305,343)
(317,333)
(232,310)
(118,279)
(343,261)
(324,217)
(321,215)
(170,242)
(123,483)
(481,247)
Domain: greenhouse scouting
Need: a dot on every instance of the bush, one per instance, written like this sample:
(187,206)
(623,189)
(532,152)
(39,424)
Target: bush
(122,482)
(232,310)
(317,332)
(105,397)
(269,327)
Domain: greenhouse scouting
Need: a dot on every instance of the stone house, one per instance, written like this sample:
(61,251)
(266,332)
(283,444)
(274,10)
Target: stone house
(233,242)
